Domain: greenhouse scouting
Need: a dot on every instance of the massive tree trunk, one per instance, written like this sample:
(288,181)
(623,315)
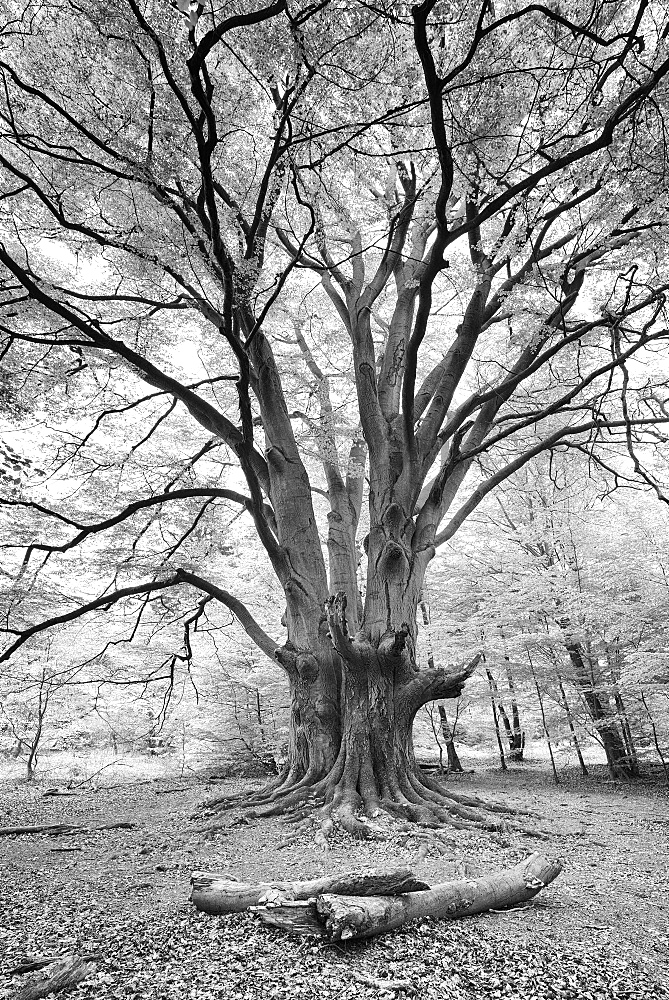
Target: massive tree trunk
(351,746)
(354,681)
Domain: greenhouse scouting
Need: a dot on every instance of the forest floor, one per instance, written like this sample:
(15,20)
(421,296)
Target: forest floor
(600,931)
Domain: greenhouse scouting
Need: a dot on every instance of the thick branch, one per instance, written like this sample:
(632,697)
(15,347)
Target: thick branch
(206,414)
(508,470)
(127,512)
(103,602)
(254,631)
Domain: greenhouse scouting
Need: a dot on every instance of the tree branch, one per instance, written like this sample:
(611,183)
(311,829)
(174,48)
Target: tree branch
(103,602)
(254,631)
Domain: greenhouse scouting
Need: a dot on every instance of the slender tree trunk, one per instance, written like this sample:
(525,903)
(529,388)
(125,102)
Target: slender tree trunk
(543,719)
(518,736)
(500,745)
(515,738)
(613,657)
(42,705)
(577,745)
(453,761)
(451,753)
(658,750)
(630,746)
(259,717)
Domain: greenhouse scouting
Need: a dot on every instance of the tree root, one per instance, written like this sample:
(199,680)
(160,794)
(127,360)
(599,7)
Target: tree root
(348,798)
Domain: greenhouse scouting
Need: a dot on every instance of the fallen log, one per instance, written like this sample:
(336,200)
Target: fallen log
(64,974)
(338,917)
(213,892)
(58,829)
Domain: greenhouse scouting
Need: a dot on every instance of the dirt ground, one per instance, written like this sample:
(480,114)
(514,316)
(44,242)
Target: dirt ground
(600,931)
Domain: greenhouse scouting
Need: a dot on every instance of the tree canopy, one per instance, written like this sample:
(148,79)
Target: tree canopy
(343,267)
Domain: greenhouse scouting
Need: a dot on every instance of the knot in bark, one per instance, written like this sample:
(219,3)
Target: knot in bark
(395,559)
(392,644)
(306,665)
(335,612)
(287,657)
(394,518)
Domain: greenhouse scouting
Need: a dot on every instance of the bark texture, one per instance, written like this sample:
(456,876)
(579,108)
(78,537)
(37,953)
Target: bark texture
(216,893)
(607,730)
(64,975)
(339,917)
(374,769)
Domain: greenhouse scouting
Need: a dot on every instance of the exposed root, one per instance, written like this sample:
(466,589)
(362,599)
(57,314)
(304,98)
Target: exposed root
(224,802)
(468,800)
(350,797)
(283,791)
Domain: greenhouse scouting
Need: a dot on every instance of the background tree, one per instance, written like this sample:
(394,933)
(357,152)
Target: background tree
(550,552)
(174,181)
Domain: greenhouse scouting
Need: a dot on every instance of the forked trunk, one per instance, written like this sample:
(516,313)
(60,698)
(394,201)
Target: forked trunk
(353,702)
(451,753)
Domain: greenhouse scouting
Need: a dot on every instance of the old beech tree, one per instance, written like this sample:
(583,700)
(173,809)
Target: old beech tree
(410,247)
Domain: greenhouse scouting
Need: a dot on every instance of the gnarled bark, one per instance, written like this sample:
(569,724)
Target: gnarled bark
(375,769)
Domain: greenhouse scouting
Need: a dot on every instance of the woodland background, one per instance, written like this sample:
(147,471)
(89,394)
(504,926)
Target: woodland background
(550,543)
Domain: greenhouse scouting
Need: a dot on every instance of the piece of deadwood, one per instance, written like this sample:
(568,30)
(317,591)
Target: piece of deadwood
(388,985)
(52,828)
(213,892)
(32,963)
(58,829)
(63,975)
(343,917)
(298,916)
